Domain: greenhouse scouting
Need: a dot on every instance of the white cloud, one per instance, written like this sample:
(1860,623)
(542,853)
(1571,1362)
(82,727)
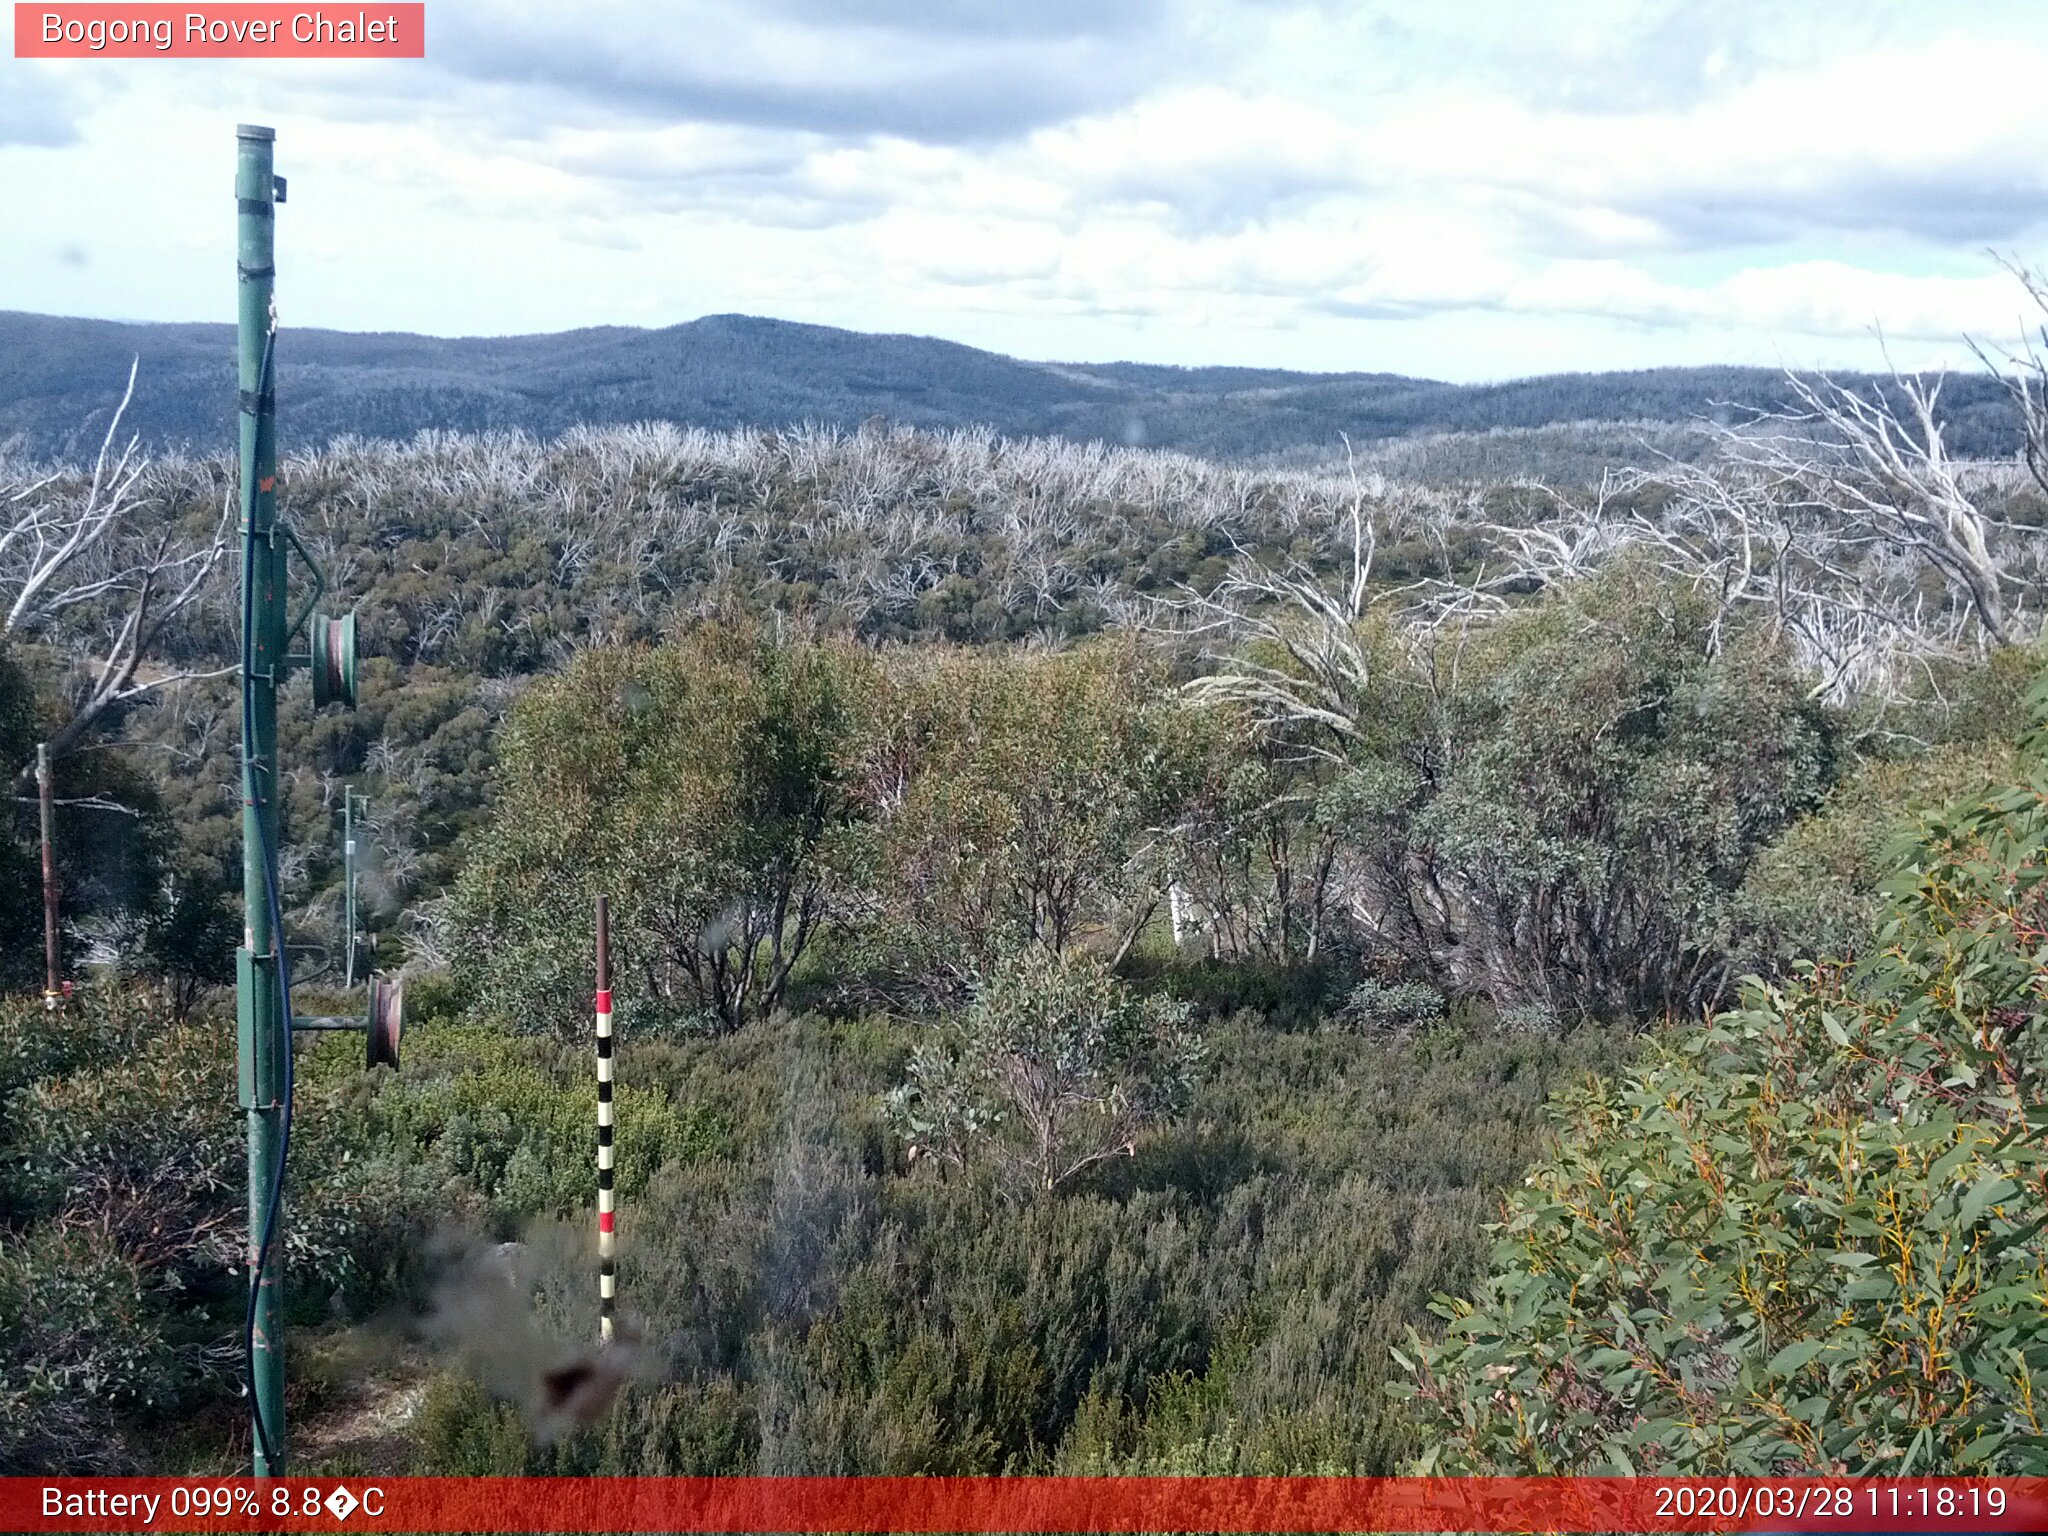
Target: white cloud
(36,108)
(1226,180)
(1941,142)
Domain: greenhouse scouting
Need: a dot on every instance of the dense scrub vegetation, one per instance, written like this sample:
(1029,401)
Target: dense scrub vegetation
(1095,934)
(1219,1302)
(480,563)
(1603,813)
(1222,1301)
(1223,1291)
(477,564)
(1808,1237)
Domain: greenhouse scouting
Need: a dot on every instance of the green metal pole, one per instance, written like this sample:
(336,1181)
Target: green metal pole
(263,1038)
(348,863)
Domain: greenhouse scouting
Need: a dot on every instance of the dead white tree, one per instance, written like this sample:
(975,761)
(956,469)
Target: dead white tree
(70,549)
(2023,369)
(1873,466)
(1851,607)
(1296,649)
(1822,521)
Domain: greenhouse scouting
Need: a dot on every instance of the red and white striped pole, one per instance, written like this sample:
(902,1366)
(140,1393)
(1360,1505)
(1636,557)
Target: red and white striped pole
(607,1278)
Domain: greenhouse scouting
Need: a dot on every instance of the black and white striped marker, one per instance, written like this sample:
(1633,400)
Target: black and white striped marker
(607,1236)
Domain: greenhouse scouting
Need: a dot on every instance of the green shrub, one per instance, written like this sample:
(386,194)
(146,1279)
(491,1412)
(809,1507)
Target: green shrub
(1562,808)
(1390,1005)
(147,1151)
(827,1309)
(1056,1066)
(1807,1238)
(459,1431)
(84,1347)
(1527,1019)
(703,787)
(100,1025)
(124,1165)
(1614,764)
(509,1122)
(1015,801)
(1815,891)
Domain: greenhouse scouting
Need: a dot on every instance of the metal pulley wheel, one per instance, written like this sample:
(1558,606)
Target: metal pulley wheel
(333,660)
(387,1014)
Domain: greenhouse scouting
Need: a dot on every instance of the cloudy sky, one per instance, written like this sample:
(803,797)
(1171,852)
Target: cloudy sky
(1466,189)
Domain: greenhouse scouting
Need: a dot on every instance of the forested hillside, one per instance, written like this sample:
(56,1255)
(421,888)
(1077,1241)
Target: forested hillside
(59,379)
(1096,932)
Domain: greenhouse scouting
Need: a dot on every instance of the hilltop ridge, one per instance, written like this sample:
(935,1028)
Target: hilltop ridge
(59,377)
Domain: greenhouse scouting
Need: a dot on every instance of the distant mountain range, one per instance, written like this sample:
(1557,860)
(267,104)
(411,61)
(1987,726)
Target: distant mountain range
(59,378)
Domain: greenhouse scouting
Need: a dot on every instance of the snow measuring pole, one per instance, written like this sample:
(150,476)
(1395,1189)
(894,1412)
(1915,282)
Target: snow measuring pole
(607,1218)
(263,965)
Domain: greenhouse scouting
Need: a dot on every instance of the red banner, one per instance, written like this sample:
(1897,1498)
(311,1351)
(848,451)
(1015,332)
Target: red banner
(1850,1506)
(261,31)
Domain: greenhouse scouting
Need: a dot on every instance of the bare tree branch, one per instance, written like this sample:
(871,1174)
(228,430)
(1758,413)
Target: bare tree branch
(69,549)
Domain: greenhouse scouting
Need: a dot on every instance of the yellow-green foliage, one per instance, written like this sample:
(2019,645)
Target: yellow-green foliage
(1223,1300)
(1056,1066)
(1807,1238)
(511,1120)
(738,793)
(1012,795)
(702,786)
(1814,892)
